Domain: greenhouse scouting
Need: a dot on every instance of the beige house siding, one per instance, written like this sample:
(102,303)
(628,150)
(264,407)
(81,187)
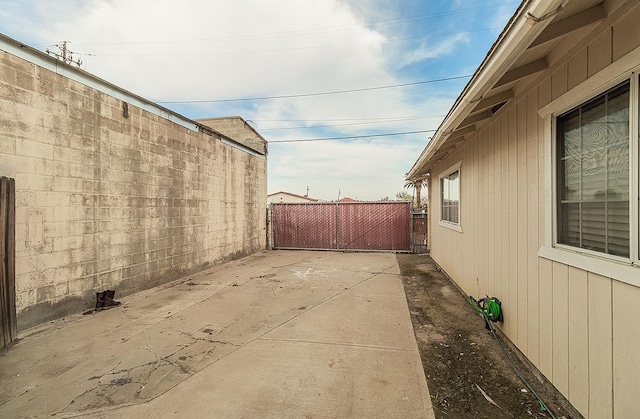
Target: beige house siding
(581,329)
(107,201)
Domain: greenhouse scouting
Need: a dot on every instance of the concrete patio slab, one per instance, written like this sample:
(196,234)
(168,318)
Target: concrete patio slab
(277,334)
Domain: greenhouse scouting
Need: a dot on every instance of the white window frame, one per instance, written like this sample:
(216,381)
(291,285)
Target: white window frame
(620,268)
(448,224)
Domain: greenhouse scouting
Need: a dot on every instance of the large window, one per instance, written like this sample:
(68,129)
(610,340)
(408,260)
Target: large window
(593,181)
(592,172)
(450,196)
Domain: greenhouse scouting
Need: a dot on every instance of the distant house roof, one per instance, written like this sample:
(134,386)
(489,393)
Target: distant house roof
(292,195)
(345,199)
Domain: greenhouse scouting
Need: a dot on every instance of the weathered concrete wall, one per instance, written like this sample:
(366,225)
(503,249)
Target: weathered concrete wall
(105,201)
(238,129)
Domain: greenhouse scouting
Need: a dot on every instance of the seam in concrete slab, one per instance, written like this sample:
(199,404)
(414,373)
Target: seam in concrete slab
(261,337)
(119,406)
(351,345)
(139,317)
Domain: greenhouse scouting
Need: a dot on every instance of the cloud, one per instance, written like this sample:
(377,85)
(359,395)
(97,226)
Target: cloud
(430,51)
(214,50)
(500,18)
(168,50)
(367,170)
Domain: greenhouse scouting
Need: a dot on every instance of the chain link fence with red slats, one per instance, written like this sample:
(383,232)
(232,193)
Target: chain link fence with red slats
(366,226)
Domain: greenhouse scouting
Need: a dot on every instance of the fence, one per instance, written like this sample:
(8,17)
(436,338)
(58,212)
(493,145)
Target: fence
(373,226)
(8,324)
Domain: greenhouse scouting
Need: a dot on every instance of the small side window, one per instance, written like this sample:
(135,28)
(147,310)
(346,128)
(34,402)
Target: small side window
(450,196)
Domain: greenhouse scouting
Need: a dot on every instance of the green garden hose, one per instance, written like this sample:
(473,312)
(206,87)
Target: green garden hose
(490,308)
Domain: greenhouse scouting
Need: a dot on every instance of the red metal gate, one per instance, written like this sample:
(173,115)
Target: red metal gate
(382,226)
(419,221)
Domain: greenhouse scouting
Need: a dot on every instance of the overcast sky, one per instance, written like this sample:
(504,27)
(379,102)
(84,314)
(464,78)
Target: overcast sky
(198,56)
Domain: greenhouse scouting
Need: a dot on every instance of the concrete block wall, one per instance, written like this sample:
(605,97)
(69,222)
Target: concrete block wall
(238,129)
(108,201)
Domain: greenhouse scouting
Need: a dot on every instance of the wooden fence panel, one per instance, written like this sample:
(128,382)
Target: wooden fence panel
(8,323)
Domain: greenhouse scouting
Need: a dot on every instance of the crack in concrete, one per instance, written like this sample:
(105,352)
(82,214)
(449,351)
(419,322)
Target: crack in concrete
(199,339)
(273,299)
(128,376)
(104,392)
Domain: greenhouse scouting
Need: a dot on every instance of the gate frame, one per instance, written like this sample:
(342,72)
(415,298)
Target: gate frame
(338,248)
(420,214)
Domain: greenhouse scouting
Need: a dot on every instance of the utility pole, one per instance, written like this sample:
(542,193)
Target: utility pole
(64,55)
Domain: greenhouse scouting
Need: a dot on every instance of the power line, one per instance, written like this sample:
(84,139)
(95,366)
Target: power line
(65,54)
(236,51)
(308,31)
(336,92)
(381,121)
(391,134)
(385,118)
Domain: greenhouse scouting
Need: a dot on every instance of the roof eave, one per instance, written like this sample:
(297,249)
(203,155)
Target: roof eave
(531,18)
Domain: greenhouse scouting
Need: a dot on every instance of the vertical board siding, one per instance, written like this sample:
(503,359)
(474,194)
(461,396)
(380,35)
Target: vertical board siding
(625,35)
(560,336)
(522,225)
(600,347)
(498,212)
(577,69)
(472,223)
(545,273)
(511,309)
(532,229)
(491,210)
(504,217)
(578,340)
(559,82)
(483,210)
(626,350)
(599,53)
(580,329)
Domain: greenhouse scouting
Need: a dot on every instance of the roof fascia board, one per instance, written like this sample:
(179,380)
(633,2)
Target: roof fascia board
(529,21)
(570,24)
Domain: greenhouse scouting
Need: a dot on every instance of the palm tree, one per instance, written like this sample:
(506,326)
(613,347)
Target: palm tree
(417,185)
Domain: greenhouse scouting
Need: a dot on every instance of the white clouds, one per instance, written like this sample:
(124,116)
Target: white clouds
(203,50)
(170,50)
(366,170)
(430,51)
(499,19)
